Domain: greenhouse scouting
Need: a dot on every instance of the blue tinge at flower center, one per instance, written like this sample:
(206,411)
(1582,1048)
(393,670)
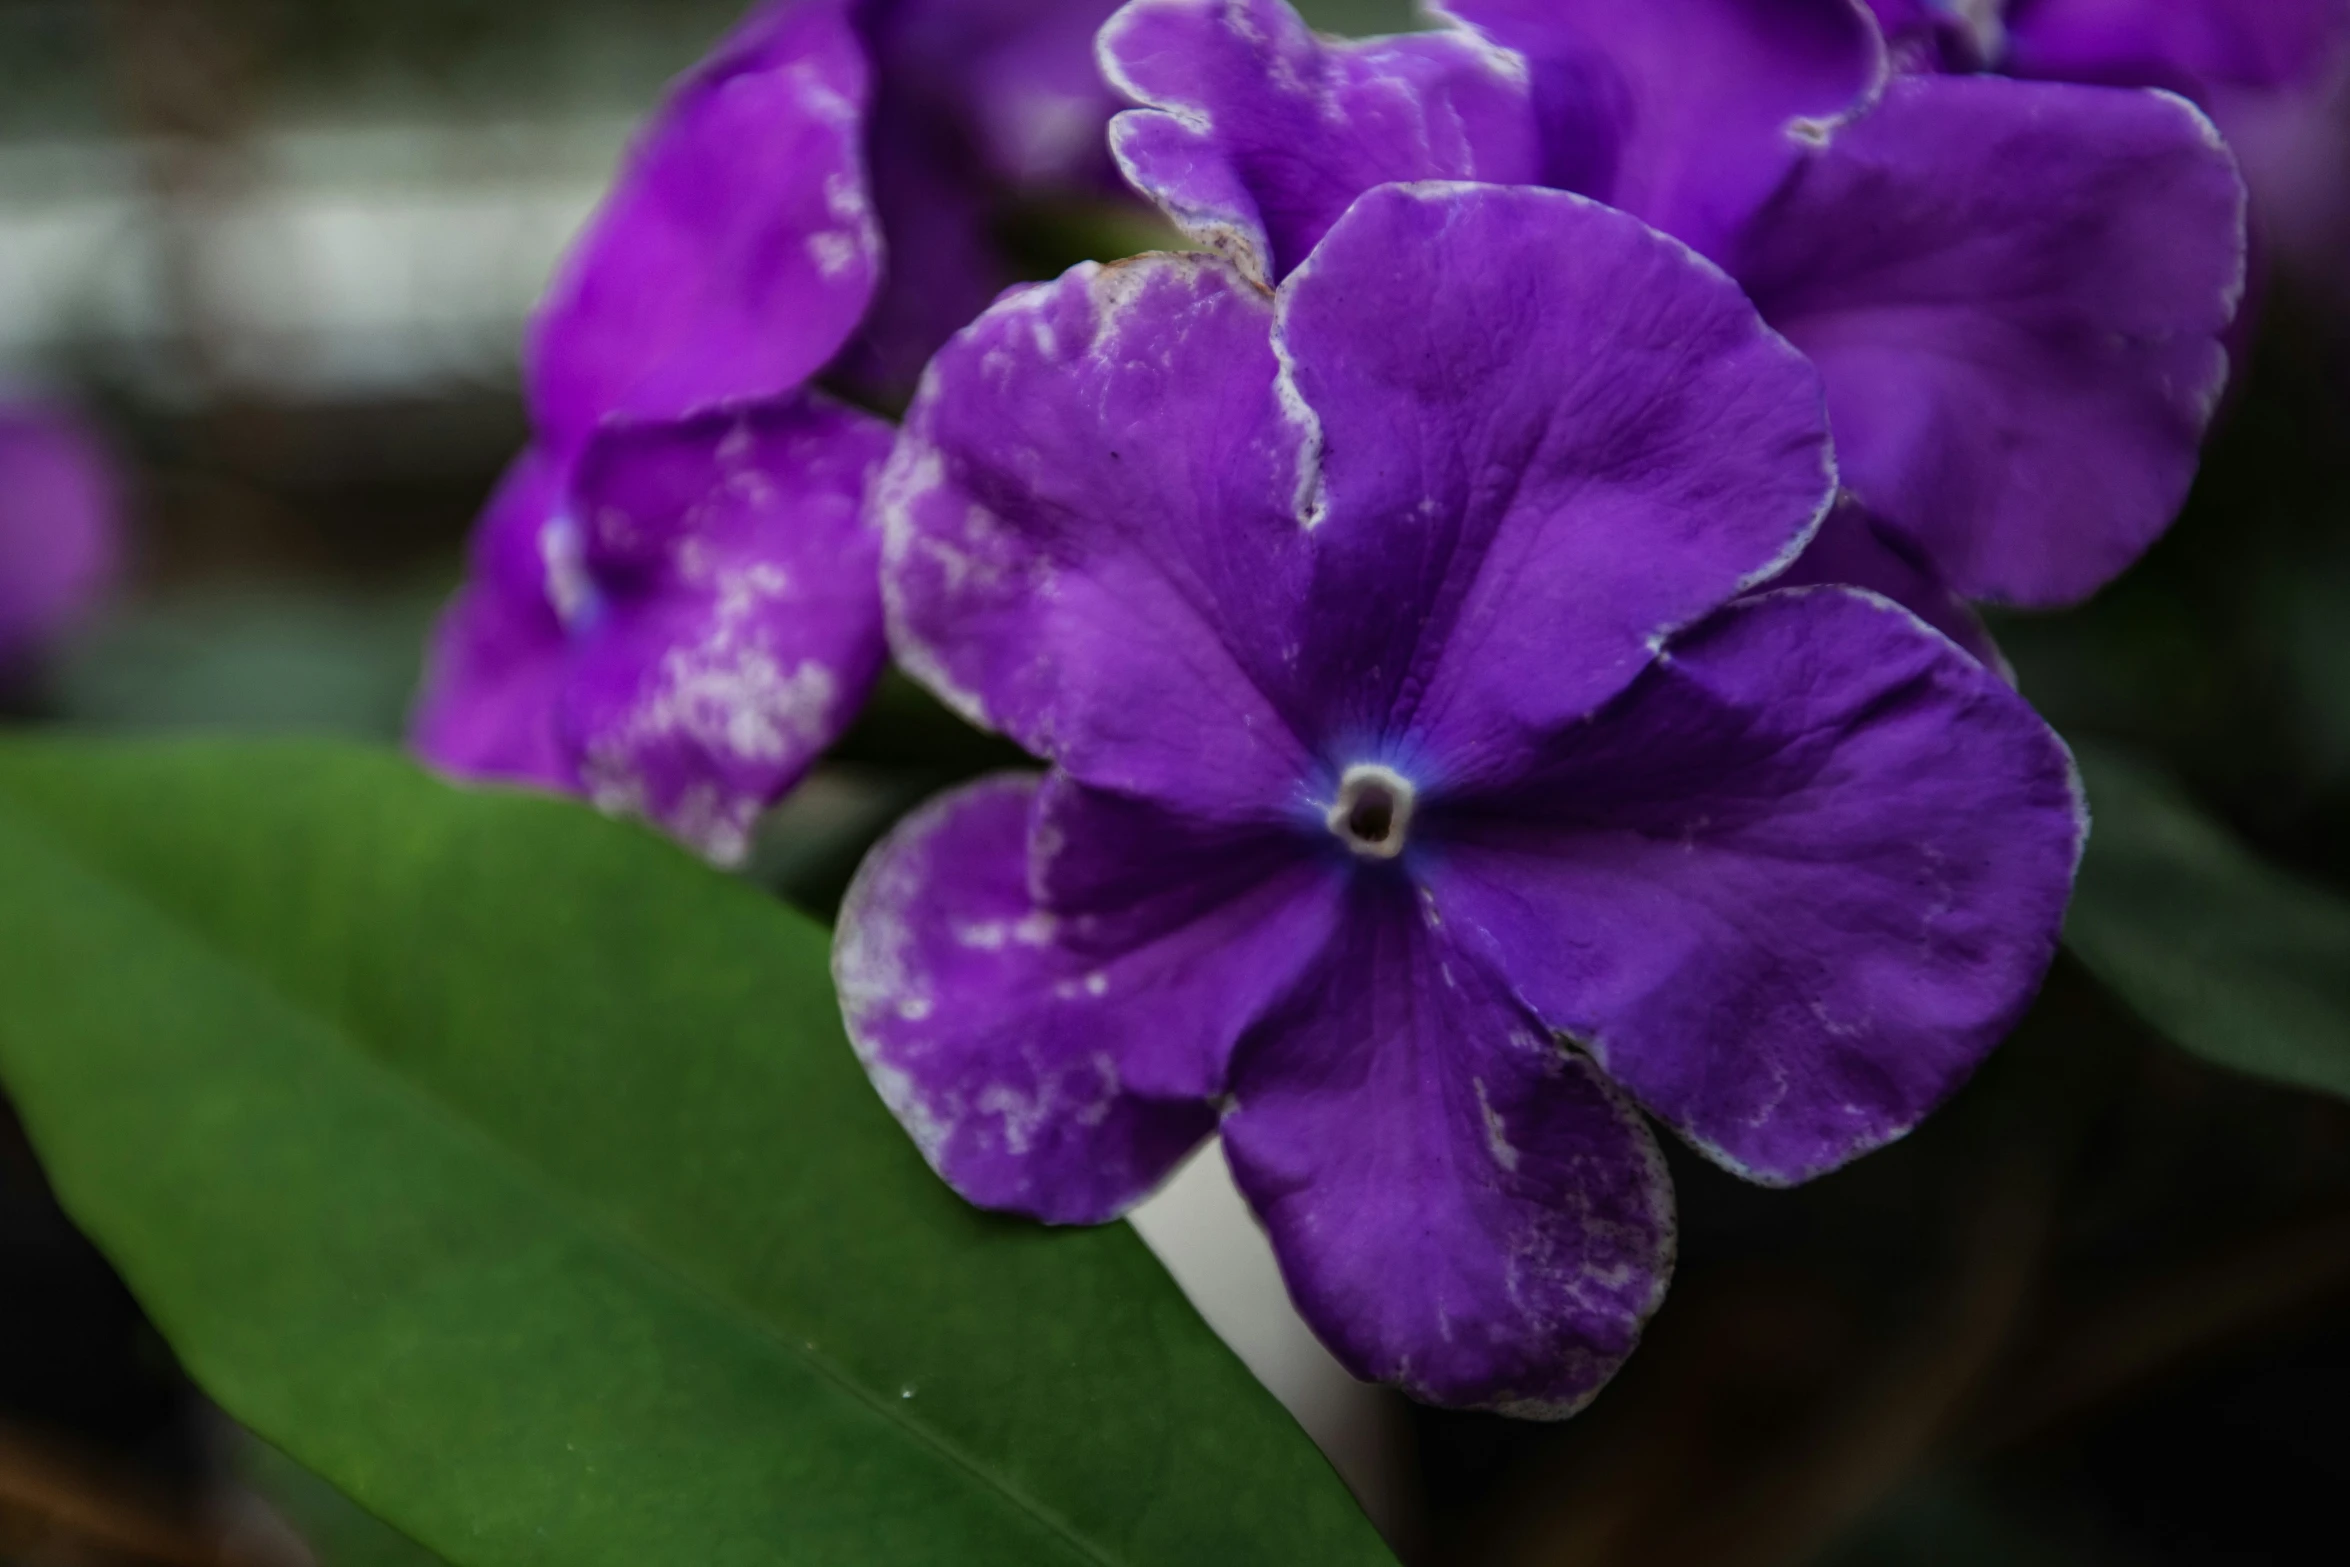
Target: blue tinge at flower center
(1373,812)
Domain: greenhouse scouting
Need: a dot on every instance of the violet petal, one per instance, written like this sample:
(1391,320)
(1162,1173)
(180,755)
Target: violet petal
(495,666)
(1092,536)
(1059,1062)
(1017,75)
(2016,292)
(739,625)
(736,250)
(1550,441)
(1791,889)
(945,263)
(1927,36)
(1461,1208)
(1685,113)
(2191,46)
(1854,549)
(1255,134)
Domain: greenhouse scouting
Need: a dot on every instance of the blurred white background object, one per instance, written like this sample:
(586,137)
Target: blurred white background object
(1201,1228)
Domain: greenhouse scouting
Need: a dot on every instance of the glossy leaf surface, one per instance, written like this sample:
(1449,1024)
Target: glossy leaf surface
(507,1167)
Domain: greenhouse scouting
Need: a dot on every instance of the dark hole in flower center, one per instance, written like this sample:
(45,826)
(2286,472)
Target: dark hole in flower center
(1373,812)
(1373,816)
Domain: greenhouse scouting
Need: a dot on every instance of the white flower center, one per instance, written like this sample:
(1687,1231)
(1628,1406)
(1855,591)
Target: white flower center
(1373,812)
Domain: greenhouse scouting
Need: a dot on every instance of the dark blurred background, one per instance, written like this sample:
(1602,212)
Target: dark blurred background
(279,255)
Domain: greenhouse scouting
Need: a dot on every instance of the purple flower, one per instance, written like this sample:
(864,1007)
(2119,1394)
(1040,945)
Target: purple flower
(1425,794)
(746,242)
(2195,47)
(2269,72)
(2014,291)
(60,542)
(976,101)
(675,625)
(673,607)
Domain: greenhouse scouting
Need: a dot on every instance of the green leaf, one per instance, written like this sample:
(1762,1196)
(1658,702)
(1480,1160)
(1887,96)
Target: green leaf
(509,1169)
(339,1532)
(2229,956)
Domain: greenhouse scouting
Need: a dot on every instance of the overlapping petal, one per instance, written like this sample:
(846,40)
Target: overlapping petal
(495,669)
(1791,889)
(737,249)
(738,622)
(2016,293)
(1685,113)
(1854,549)
(1460,1206)
(1553,439)
(1255,134)
(945,263)
(1060,1060)
(1017,75)
(1942,35)
(2190,46)
(1092,534)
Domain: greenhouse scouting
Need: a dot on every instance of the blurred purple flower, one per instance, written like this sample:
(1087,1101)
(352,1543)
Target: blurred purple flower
(676,625)
(2269,72)
(673,606)
(1425,793)
(2195,47)
(60,538)
(2015,291)
(976,100)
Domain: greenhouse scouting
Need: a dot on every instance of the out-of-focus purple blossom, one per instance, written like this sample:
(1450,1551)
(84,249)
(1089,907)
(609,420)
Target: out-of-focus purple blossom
(2015,291)
(1428,787)
(2273,74)
(976,101)
(676,627)
(818,191)
(673,606)
(60,525)
(2195,47)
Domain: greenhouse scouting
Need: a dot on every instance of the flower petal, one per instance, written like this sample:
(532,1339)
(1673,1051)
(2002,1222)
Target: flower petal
(1018,77)
(2187,45)
(1060,1061)
(495,668)
(2016,292)
(738,627)
(1550,441)
(1461,1207)
(1092,542)
(945,261)
(737,248)
(1685,113)
(1927,36)
(1256,134)
(1811,872)
(1853,549)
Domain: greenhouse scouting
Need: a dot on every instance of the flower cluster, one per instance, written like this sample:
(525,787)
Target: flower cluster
(1494,622)
(2201,48)
(672,607)
(2015,292)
